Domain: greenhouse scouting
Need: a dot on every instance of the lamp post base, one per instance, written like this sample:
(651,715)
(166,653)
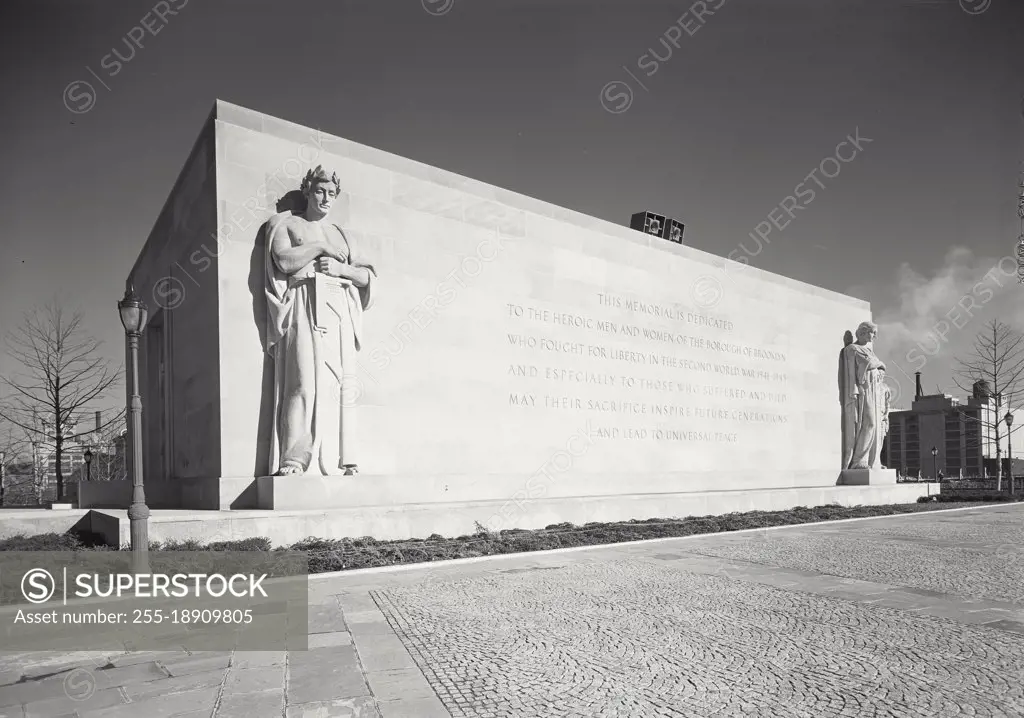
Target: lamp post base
(138,516)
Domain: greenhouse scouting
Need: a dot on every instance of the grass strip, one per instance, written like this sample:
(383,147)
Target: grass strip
(345,554)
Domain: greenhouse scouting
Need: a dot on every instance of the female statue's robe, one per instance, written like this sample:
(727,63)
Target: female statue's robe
(864,400)
(314,367)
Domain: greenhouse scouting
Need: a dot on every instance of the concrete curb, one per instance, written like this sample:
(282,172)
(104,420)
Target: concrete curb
(359,572)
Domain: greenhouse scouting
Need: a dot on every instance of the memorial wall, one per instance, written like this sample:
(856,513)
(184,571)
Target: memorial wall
(509,338)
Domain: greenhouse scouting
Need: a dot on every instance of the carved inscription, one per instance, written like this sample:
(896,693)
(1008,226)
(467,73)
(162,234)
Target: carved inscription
(655,372)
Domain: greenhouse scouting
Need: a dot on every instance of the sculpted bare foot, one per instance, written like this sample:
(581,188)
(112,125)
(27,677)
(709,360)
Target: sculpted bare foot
(351,469)
(289,470)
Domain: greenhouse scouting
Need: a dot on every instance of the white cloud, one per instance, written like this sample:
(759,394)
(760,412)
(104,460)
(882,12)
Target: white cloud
(936,319)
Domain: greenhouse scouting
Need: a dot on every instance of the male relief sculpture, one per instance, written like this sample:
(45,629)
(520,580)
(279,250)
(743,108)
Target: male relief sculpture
(317,289)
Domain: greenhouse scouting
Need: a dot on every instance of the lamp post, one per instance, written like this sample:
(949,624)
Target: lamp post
(1009,446)
(88,464)
(133,317)
(935,462)
(3,475)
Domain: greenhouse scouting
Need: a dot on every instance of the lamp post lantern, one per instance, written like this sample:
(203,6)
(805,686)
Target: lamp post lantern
(88,464)
(935,462)
(1009,447)
(133,317)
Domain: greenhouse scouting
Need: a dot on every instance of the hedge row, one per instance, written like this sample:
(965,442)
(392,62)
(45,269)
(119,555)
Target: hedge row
(351,553)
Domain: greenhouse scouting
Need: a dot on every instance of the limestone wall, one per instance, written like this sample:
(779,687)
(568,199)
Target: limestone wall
(176,275)
(510,335)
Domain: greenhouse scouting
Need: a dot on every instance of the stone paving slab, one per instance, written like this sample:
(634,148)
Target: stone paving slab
(198,664)
(56,688)
(101,702)
(257,704)
(344,708)
(430,707)
(324,674)
(196,681)
(327,640)
(199,700)
(913,615)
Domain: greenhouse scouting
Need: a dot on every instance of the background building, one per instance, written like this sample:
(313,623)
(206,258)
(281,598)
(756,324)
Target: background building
(30,479)
(962,434)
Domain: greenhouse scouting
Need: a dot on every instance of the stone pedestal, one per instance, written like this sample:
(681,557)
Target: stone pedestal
(867,477)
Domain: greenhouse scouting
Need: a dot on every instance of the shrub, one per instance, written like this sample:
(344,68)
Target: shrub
(250,544)
(316,544)
(987,497)
(345,554)
(172,545)
(42,542)
(563,525)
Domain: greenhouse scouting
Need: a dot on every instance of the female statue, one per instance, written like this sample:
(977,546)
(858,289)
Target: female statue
(864,399)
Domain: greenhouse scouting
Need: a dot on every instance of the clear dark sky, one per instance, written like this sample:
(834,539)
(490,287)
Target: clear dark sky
(509,92)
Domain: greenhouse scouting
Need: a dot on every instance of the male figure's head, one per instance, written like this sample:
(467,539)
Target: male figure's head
(320,190)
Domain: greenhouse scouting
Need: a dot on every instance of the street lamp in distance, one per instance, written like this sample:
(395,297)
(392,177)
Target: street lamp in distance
(88,464)
(134,314)
(1009,446)
(935,462)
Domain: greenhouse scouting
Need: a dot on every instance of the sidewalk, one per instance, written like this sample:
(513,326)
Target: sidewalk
(822,621)
(328,680)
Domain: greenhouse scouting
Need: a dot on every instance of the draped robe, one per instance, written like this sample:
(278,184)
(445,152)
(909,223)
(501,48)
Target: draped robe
(865,404)
(313,341)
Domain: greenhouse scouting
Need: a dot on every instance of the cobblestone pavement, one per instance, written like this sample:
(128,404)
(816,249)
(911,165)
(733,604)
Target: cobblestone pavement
(633,638)
(918,615)
(944,552)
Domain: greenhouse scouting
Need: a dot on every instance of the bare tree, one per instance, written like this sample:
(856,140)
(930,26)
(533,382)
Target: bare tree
(13,444)
(12,450)
(63,374)
(997,360)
